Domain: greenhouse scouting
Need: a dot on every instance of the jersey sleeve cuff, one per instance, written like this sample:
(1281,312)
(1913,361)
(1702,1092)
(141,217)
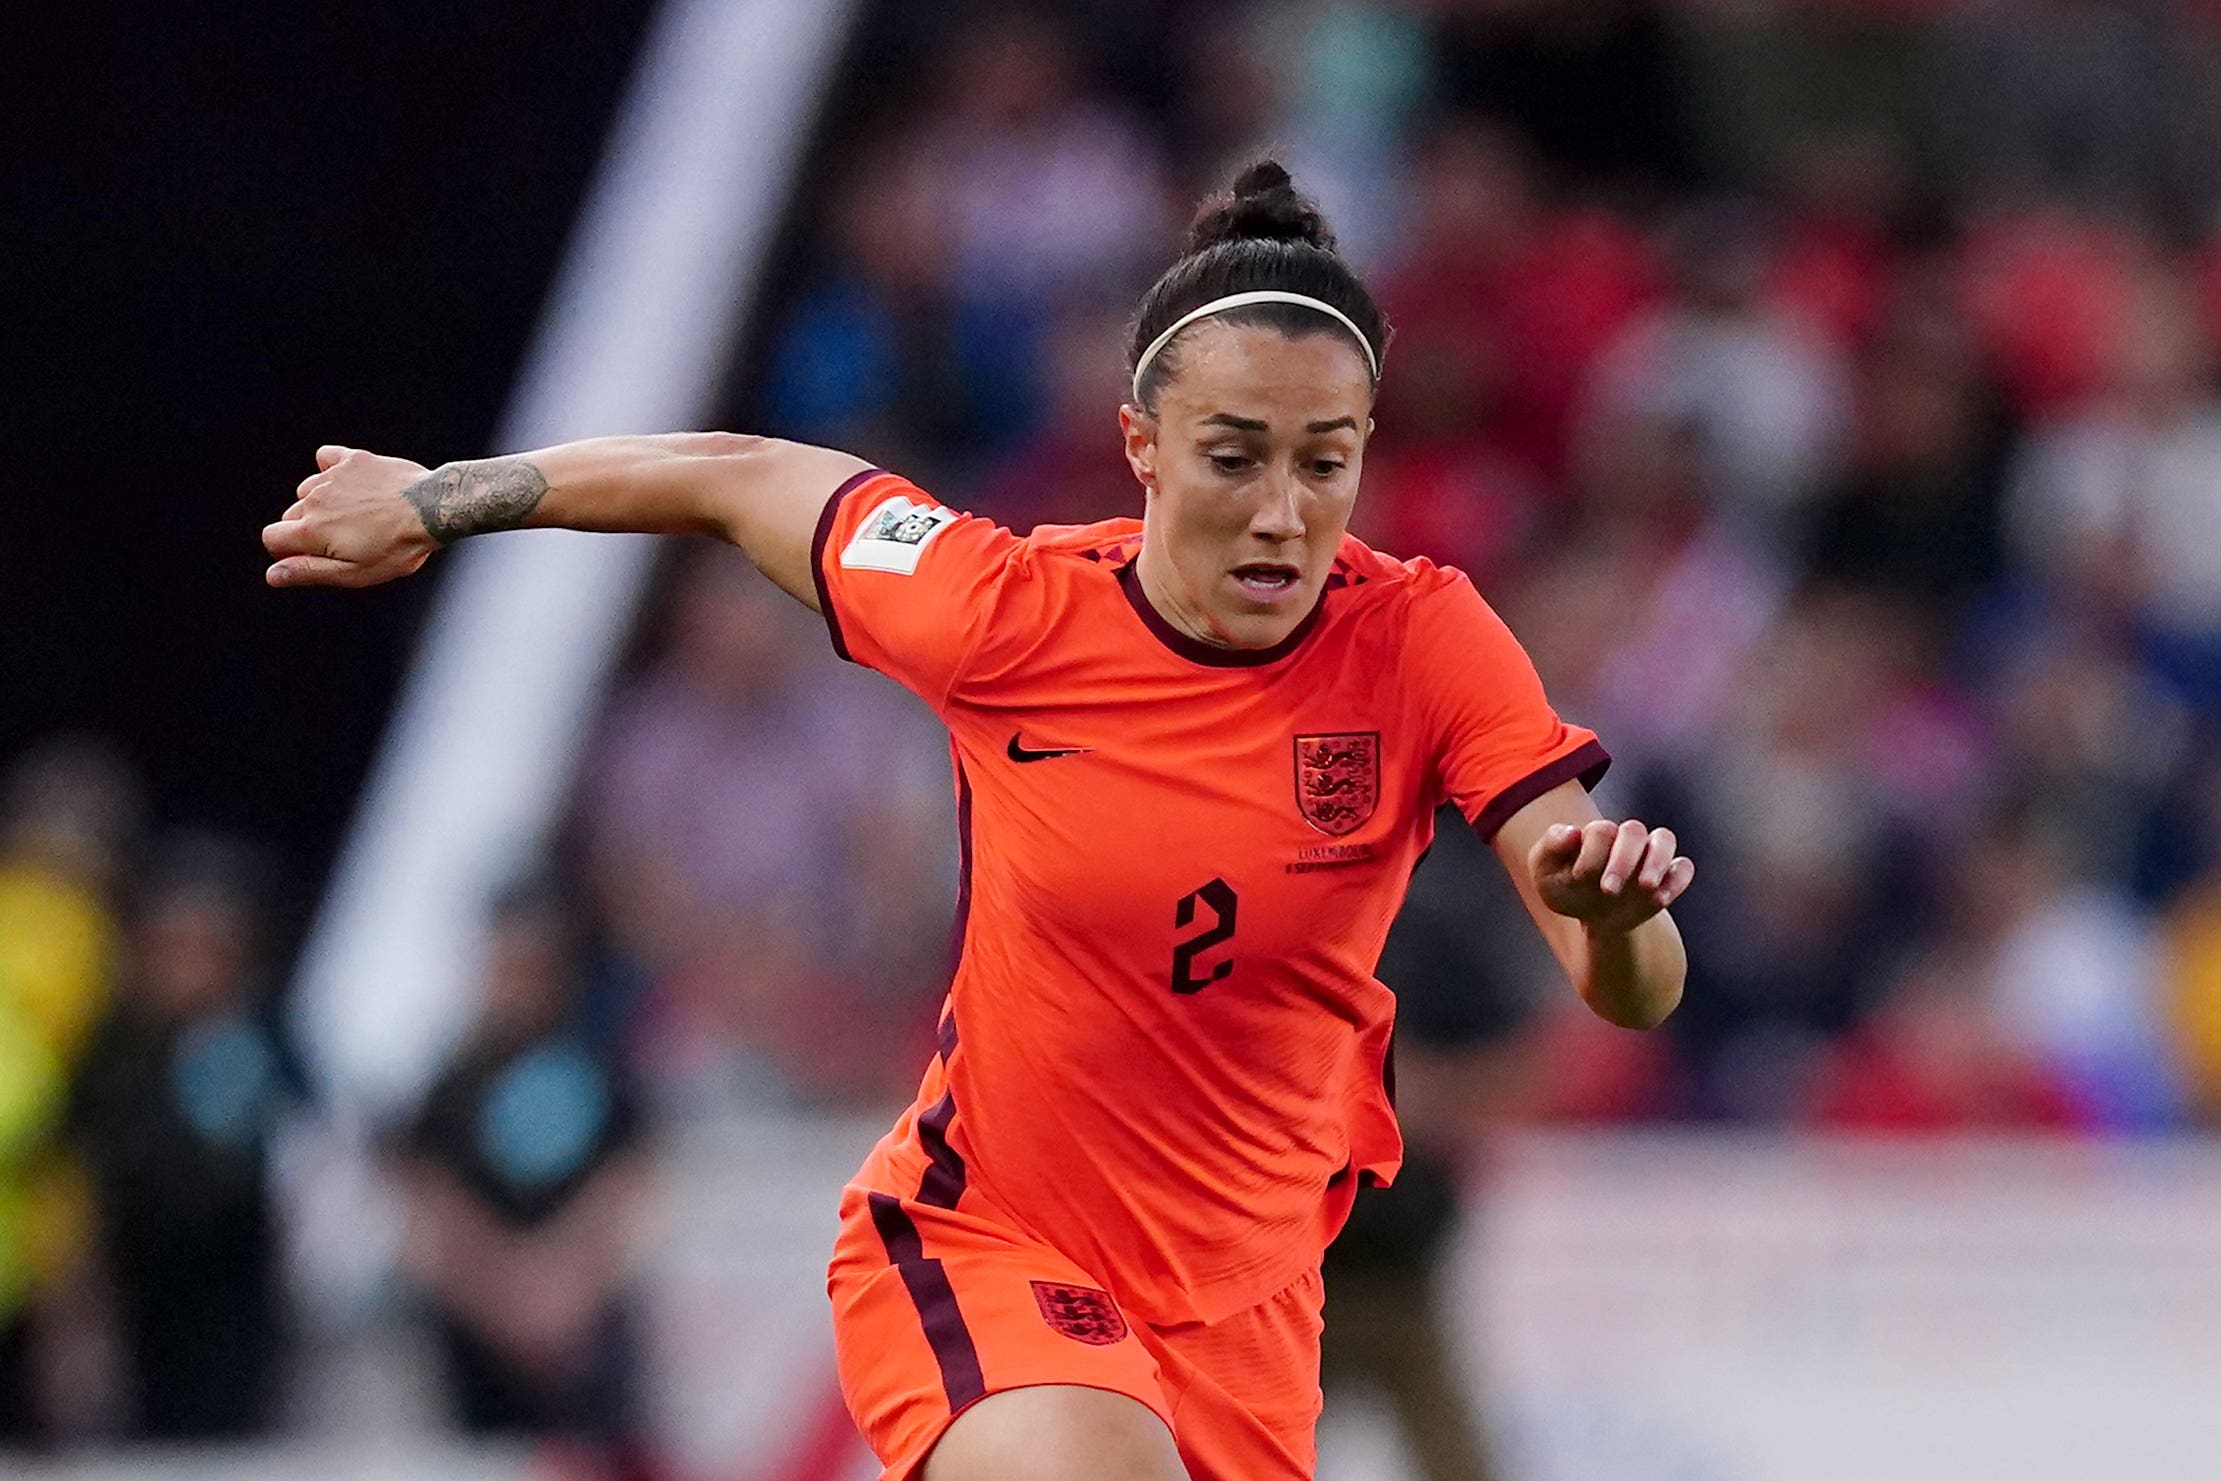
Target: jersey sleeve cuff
(822,537)
(1587,764)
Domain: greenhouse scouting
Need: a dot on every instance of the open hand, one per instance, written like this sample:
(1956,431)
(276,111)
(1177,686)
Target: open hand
(1609,876)
(352,523)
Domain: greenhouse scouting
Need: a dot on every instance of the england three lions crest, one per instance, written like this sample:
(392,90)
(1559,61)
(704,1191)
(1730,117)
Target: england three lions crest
(1338,780)
(1081,1313)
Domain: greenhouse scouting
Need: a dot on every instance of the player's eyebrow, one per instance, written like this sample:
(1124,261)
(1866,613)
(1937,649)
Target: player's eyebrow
(1255,424)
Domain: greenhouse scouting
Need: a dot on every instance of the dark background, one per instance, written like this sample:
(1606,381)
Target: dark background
(231,233)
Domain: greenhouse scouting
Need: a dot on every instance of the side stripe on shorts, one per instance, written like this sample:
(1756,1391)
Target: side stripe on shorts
(930,1291)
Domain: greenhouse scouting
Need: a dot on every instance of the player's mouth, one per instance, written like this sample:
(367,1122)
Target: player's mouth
(1268,582)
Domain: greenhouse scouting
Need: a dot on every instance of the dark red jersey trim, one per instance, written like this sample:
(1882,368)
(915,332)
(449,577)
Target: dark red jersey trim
(1588,764)
(1195,650)
(962,923)
(943,1183)
(935,1299)
(819,539)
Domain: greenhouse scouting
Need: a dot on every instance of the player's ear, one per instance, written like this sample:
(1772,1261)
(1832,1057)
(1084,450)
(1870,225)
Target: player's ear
(1139,429)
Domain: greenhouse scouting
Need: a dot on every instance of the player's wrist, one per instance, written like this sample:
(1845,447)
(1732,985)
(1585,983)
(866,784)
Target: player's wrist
(1604,934)
(460,499)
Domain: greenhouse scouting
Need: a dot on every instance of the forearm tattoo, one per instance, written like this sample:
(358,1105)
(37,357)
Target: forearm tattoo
(458,499)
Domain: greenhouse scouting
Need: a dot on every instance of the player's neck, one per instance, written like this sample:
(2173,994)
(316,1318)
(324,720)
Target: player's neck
(1165,592)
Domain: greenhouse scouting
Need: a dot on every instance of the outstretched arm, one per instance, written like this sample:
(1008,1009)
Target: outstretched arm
(1599,891)
(362,519)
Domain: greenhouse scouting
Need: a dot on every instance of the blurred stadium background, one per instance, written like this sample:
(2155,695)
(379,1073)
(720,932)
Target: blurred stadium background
(433,1023)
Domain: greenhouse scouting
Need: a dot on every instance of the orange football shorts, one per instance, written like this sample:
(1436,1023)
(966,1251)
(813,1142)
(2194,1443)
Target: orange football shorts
(934,1309)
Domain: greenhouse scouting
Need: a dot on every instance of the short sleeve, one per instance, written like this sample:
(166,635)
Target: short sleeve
(906,585)
(1498,745)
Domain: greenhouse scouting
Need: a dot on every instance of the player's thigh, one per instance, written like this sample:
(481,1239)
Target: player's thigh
(1056,1432)
(938,1313)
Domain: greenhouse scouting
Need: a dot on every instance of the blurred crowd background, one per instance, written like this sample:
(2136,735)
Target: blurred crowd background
(1824,392)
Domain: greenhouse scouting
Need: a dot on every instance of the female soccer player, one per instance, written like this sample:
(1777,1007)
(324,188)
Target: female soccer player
(1197,757)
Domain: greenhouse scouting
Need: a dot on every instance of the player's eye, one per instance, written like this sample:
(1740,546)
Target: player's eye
(1325,467)
(1228,462)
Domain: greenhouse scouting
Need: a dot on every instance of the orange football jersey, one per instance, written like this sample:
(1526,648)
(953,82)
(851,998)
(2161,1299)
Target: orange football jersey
(1164,1052)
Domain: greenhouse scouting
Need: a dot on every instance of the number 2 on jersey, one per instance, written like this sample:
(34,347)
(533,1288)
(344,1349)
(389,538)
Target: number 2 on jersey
(1220,897)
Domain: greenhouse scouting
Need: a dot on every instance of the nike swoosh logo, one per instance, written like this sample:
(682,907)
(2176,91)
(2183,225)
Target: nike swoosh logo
(1017,752)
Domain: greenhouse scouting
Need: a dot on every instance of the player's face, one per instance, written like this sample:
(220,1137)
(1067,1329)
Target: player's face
(1251,466)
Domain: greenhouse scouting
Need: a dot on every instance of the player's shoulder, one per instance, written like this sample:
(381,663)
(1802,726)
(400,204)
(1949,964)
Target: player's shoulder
(1047,585)
(1376,580)
(1059,565)
(1425,613)
(1105,543)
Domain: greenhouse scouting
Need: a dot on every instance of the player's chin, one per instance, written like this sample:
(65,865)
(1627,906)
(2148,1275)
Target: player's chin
(1259,614)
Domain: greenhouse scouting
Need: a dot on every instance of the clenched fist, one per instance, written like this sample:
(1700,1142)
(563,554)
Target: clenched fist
(1609,876)
(353,523)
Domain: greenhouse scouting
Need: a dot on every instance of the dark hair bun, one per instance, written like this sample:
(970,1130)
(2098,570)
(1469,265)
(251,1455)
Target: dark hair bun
(1262,236)
(1264,205)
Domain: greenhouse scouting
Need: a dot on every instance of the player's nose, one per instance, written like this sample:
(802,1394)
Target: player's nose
(1278,516)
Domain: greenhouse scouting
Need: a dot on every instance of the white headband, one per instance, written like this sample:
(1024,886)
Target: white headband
(1244,300)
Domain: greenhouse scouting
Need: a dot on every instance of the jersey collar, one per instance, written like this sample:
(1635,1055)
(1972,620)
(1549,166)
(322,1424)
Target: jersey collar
(1194,649)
